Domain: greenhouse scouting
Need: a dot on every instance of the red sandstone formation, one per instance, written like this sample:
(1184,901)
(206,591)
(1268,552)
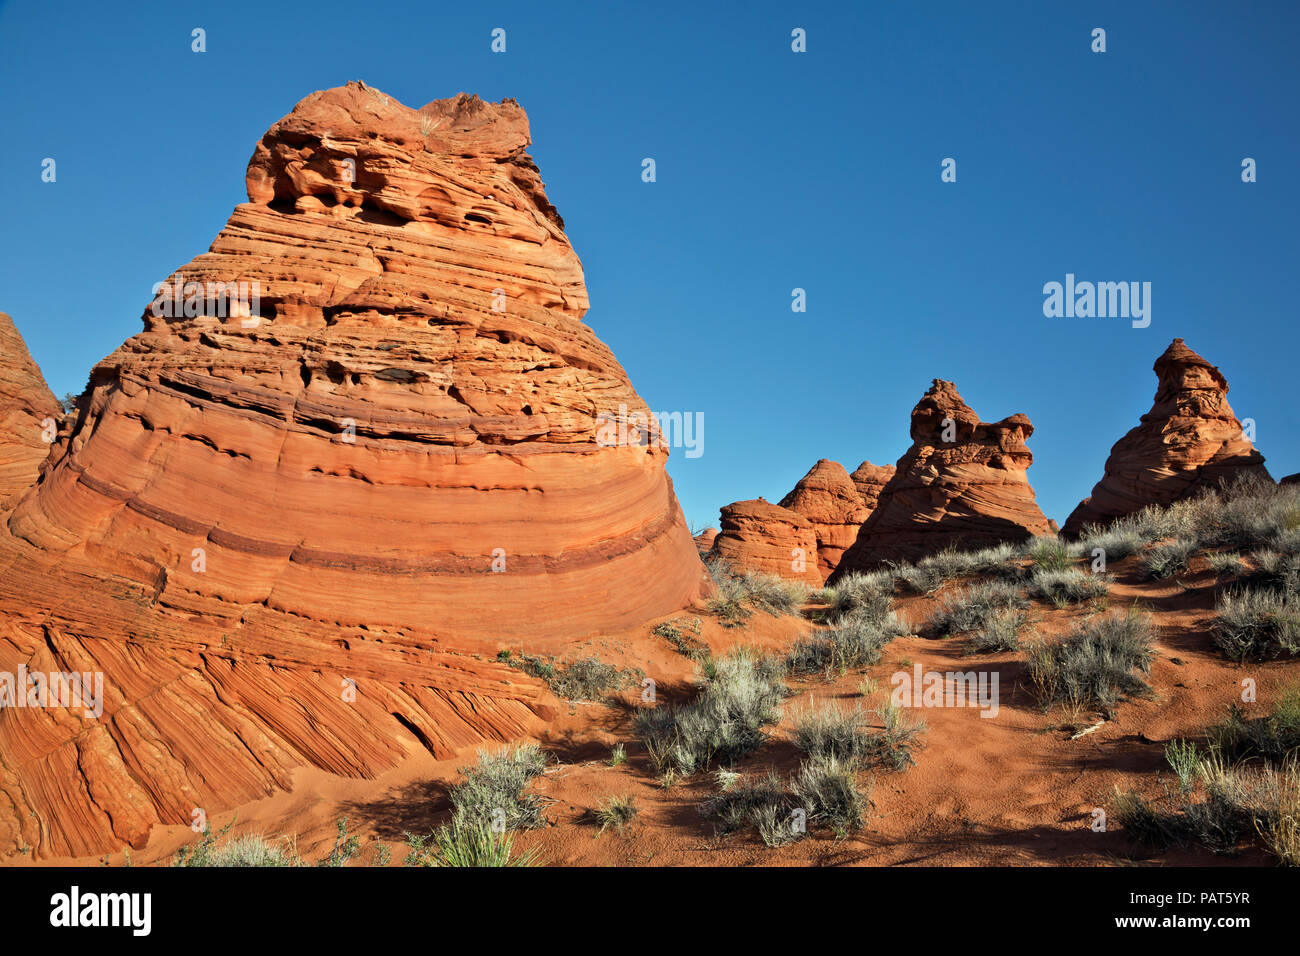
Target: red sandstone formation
(29,414)
(829,499)
(757,535)
(292,528)
(704,540)
(962,485)
(870,480)
(1190,441)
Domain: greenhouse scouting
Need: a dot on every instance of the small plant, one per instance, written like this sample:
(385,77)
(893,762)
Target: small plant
(1001,631)
(463,843)
(1227,563)
(616,812)
(738,595)
(831,731)
(740,801)
(827,788)
(492,792)
(863,595)
(618,755)
(857,642)
(1095,664)
(1166,560)
(741,695)
(1048,553)
(1117,542)
(970,609)
(684,635)
(1068,586)
(245,851)
(894,746)
(346,847)
(1257,625)
(584,679)
(1184,759)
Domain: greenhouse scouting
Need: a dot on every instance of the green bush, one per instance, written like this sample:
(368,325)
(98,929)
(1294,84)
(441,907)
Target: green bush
(741,695)
(973,607)
(1068,586)
(1257,625)
(1096,664)
(493,791)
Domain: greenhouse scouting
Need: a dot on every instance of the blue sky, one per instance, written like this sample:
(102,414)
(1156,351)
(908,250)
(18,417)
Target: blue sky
(775,170)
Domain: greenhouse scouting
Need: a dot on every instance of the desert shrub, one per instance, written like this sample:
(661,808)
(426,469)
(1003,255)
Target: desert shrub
(465,842)
(684,635)
(920,579)
(1272,738)
(493,791)
(738,594)
(1048,553)
(1184,759)
(972,607)
(895,745)
(616,812)
(587,678)
(1067,586)
(1117,542)
(1275,571)
(856,642)
(1001,631)
(827,789)
(1166,560)
(741,695)
(1257,625)
(1225,562)
(244,851)
(1250,514)
(867,595)
(346,846)
(1095,664)
(833,731)
(740,801)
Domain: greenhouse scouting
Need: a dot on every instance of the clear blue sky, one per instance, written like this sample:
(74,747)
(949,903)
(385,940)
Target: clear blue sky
(776,170)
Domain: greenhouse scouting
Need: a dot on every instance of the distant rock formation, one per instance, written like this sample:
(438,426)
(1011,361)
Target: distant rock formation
(830,500)
(293,522)
(870,480)
(757,535)
(704,540)
(1189,441)
(29,414)
(962,484)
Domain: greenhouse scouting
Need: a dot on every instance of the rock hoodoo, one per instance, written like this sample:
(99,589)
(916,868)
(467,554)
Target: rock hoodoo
(830,500)
(1189,441)
(962,484)
(353,448)
(757,535)
(870,480)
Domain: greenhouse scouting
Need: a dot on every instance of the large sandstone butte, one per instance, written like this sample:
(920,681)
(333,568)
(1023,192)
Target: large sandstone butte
(830,500)
(961,485)
(298,534)
(757,535)
(1189,442)
(27,411)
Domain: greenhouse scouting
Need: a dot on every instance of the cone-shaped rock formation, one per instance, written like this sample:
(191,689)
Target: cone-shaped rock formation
(354,447)
(962,484)
(757,535)
(830,500)
(1189,441)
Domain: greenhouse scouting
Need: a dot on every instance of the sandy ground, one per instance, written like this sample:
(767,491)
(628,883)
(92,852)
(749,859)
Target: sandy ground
(1012,790)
